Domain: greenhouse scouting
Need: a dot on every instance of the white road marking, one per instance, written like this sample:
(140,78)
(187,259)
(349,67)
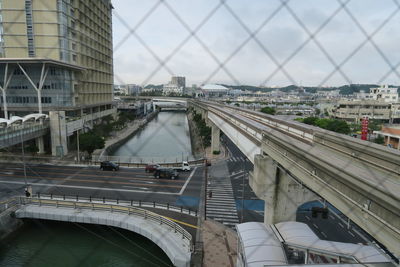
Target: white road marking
(149,182)
(90,188)
(351,234)
(324,234)
(315,226)
(130,186)
(187,181)
(341,225)
(308,218)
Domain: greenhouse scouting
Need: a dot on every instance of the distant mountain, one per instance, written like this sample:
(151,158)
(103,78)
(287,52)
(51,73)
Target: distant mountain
(154,86)
(344,90)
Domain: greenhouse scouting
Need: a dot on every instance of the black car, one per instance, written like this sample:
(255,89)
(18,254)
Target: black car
(166,173)
(109,166)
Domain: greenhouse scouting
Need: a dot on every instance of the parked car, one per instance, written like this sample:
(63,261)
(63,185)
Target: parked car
(151,167)
(109,166)
(166,173)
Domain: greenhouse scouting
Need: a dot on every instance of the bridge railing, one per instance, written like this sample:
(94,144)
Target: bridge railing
(142,161)
(133,203)
(142,213)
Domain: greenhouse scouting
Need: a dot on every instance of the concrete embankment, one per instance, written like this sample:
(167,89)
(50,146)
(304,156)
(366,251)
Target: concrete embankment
(195,138)
(124,135)
(8,222)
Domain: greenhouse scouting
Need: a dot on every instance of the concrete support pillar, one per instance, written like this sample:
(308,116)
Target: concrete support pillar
(215,133)
(40,144)
(204,115)
(58,131)
(281,193)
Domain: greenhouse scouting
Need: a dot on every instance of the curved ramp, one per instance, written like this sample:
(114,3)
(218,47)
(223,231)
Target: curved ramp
(173,243)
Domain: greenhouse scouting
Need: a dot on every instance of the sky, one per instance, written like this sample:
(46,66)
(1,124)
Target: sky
(257,42)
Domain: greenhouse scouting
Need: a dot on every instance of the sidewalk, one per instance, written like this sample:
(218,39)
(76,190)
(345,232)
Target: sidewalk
(121,135)
(219,244)
(221,156)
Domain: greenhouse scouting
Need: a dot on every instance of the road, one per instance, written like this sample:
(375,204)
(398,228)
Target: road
(233,203)
(125,184)
(335,228)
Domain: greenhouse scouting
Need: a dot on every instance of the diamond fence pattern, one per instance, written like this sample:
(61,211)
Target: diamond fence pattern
(280,64)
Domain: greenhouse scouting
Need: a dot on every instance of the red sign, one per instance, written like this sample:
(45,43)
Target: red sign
(364,128)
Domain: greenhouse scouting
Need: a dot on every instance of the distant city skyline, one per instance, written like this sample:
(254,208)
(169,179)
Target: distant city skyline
(159,35)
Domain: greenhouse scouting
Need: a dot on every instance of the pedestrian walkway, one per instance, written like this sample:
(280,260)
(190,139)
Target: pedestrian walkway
(221,205)
(219,245)
(238,159)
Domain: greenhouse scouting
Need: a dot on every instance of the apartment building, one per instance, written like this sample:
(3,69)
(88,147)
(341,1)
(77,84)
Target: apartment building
(56,55)
(354,111)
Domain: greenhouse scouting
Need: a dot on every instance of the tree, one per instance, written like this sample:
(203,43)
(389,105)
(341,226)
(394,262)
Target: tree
(32,149)
(310,120)
(268,110)
(338,126)
(90,141)
(379,140)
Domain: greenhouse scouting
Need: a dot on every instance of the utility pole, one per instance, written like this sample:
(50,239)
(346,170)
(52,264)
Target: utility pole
(243,193)
(23,161)
(77,144)
(205,187)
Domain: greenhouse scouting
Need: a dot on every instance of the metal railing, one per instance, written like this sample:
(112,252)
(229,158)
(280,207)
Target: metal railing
(130,210)
(132,203)
(143,161)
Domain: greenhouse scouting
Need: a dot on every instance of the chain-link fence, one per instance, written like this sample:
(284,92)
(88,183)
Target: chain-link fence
(266,44)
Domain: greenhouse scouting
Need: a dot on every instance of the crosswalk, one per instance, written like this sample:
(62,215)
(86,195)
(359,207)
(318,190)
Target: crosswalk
(238,159)
(221,205)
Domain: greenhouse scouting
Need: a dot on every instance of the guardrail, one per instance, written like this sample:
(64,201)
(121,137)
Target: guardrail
(132,203)
(8,203)
(142,162)
(145,214)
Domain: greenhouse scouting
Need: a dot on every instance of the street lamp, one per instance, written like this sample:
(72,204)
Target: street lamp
(23,162)
(60,148)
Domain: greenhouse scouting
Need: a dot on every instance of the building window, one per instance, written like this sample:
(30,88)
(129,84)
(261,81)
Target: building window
(29,28)
(18,71)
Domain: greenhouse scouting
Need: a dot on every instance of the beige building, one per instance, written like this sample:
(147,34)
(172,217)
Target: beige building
(391,133)
(354,111)
(56,55)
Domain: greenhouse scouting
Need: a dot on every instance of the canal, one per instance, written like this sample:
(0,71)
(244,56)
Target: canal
(165,138)
(49,243)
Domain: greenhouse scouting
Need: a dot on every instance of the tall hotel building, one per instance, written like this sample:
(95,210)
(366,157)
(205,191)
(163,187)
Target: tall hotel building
(56,55)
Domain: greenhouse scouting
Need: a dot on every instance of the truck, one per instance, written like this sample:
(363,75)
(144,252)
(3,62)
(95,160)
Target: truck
(184,167)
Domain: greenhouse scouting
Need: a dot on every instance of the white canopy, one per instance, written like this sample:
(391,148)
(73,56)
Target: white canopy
(300,234)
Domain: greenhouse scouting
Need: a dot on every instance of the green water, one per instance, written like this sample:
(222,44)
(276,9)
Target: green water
(47,243)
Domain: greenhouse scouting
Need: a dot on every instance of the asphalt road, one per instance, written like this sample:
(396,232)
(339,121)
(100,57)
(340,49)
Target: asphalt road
(125,184)
(136,184)
(335,228)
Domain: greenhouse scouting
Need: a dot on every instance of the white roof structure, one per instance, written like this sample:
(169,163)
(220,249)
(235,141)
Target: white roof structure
(20,120)
(15,120)
(299,234)
(259,245)
(214,88)
(35,117)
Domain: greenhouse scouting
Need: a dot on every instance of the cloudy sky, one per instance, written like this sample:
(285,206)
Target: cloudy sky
(244,41)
